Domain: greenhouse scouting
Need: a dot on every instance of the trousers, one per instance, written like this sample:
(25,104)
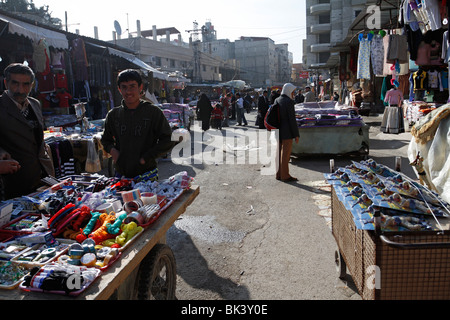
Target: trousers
(284,151)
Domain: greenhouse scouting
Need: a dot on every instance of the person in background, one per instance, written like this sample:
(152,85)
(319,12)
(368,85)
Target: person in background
(299,98)
(233,107)
(204,109)
(22,133)
(240,111)
(273,95)
(309,95)
(288,131)
(263,106)
(335,97)
(136,132)
(226,102)
(217,116)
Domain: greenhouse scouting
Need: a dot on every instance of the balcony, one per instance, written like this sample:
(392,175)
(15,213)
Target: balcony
(319,9)
(320,28)
(321,47)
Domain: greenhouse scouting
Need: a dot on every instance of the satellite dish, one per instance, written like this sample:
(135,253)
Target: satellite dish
(117,27)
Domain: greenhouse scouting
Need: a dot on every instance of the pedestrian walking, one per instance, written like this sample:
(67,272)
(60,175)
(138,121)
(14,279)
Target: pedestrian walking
(240,111)
(263,106)
(288,131)
(204,109)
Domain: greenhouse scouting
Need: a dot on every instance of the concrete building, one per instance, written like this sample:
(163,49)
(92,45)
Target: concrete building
(156,48)
(257,60)
(328,23)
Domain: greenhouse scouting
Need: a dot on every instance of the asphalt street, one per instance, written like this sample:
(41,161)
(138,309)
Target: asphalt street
(250,236)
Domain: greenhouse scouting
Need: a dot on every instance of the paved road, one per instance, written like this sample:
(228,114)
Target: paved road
(249,236)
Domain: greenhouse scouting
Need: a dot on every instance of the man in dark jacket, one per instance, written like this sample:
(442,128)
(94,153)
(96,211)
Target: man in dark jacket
(22,133)
(137,132)
(263,106)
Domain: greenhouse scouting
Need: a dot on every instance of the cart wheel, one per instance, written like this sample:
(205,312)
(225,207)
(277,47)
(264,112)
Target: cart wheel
(341,267)
(156,279)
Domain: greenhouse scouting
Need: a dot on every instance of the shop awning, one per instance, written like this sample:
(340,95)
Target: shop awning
(139,63)
(35,33)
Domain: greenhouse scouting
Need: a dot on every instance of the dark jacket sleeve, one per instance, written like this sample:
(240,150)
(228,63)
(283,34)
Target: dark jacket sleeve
(107,139)
(163,133)
(292,121)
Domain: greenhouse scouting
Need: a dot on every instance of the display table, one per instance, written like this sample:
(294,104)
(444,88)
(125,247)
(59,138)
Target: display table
(119,279)
(330,128)
(332,140)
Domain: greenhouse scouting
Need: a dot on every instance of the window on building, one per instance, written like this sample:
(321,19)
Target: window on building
(324,18)
(323,57)
(324,38)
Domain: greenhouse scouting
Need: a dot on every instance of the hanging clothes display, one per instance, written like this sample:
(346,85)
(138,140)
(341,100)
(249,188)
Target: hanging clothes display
(41,57)
(377,54)
(432,11)
(80,61)
(397,49)
(363,71)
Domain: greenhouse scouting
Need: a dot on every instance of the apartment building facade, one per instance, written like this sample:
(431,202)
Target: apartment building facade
(328,22)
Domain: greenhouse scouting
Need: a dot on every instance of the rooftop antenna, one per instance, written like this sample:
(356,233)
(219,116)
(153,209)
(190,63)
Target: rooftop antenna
(118,28)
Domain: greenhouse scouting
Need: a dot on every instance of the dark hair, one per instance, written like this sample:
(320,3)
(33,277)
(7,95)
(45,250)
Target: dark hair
(129,75)
(18,68)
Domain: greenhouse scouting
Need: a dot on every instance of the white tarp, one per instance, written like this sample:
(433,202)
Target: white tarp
(141,64)
(54,39)
(436,154)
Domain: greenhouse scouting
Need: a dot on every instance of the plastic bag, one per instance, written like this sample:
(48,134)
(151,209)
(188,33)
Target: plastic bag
(92,160)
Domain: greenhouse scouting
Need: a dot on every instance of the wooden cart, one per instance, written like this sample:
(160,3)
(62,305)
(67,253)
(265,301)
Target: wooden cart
(145,270)
(392,265)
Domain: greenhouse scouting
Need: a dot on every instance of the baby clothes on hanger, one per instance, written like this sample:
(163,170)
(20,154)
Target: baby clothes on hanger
(363,69)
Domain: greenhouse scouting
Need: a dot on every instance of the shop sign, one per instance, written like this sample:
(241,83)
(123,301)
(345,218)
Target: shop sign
(303,74)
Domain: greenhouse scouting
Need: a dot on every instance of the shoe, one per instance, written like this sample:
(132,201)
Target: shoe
(290,179)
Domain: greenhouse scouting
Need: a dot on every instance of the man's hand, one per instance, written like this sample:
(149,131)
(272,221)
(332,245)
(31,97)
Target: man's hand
(9,166)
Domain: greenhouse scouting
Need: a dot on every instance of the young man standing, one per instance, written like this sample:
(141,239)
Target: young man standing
(137,132)
(22,133)
(309,95)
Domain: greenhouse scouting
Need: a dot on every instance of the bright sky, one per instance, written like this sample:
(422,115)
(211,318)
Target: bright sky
(283,21)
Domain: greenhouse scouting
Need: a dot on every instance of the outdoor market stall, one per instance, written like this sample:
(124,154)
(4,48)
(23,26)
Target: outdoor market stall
(330,128)
(393,234)
(64,241)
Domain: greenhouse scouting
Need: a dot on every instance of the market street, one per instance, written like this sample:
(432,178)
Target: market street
(249,236)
